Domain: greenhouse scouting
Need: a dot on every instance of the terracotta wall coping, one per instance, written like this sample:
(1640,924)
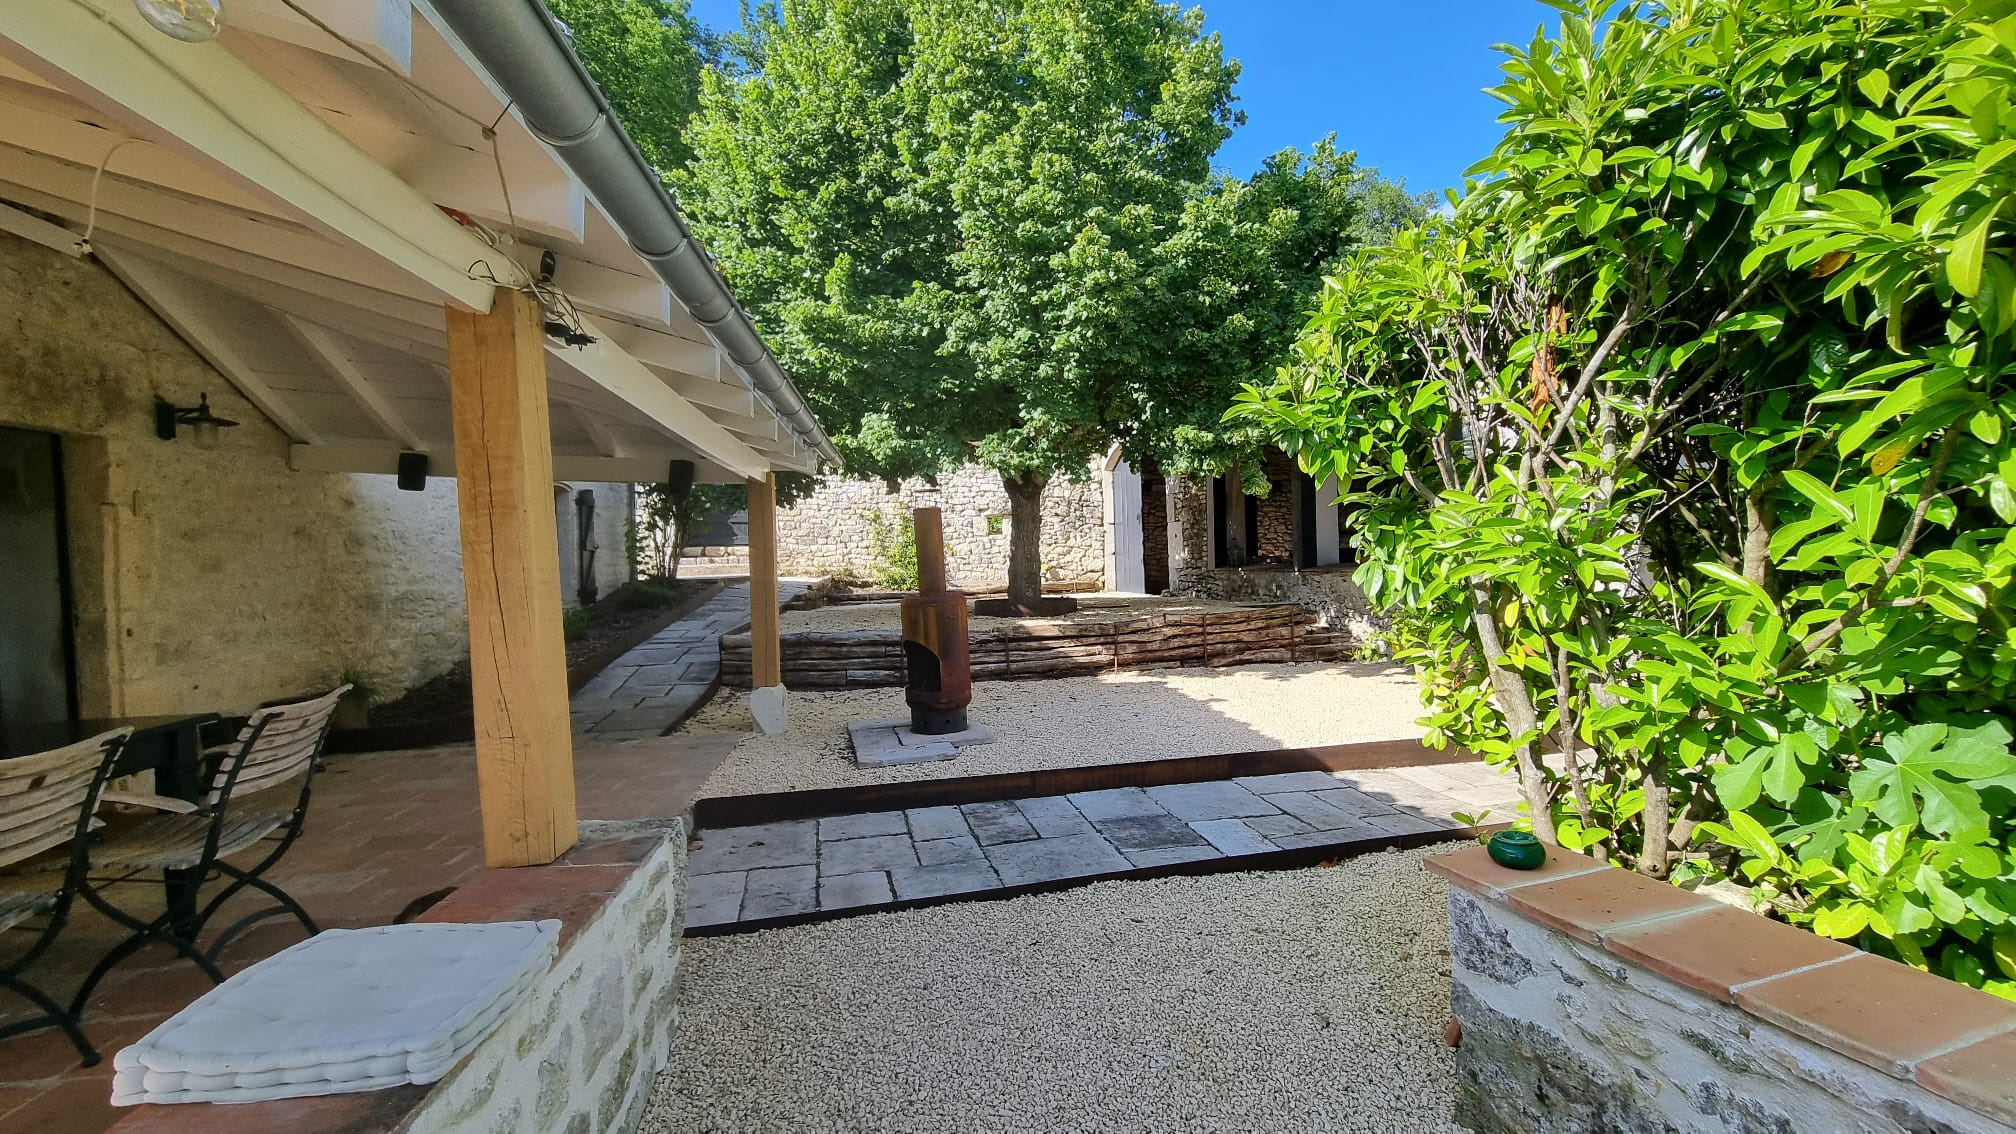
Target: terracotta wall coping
(574,889)
(1953,1040)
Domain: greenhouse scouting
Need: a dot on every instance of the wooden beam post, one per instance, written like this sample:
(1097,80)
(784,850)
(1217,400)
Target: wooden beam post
(766,647)
(511,574)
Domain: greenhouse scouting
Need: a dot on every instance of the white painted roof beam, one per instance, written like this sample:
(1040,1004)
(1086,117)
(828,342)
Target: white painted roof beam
(169,296)
(384,28)
(265,137)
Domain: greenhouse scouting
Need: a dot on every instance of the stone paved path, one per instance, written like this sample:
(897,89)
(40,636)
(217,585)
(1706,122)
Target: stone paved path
(649,689)
(809,865)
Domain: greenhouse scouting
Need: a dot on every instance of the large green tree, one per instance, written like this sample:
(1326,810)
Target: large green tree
(950,216)
(1691,447)
(647,55)
(1234,286)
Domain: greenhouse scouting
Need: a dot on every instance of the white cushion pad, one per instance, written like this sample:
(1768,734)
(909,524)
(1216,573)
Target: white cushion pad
(346,1010)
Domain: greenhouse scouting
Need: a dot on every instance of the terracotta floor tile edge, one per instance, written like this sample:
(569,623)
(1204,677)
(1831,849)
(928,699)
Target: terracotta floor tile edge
(1963,1043)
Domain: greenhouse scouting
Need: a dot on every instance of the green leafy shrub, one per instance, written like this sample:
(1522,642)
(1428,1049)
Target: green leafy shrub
(644,594)
(893,543)
(574,623)
(1685,446)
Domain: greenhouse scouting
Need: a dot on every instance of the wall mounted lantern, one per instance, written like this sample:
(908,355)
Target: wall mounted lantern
(203,425)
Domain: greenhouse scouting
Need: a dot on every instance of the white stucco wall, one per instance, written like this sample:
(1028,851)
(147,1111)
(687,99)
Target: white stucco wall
(213,580)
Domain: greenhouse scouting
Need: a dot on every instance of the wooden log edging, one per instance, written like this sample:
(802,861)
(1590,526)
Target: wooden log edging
(851,659)
(818,803)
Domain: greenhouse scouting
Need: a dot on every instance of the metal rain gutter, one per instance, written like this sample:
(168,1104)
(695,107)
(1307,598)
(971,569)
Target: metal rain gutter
(528,55)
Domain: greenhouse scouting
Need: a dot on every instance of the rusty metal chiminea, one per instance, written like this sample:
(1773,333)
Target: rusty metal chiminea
(939,669)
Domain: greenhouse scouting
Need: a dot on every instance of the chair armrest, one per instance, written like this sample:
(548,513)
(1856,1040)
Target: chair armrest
(157,802)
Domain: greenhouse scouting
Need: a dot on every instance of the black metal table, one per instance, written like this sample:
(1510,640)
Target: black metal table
(170,746)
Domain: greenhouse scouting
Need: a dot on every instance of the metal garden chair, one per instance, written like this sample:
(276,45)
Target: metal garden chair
(46,801)
(278,746)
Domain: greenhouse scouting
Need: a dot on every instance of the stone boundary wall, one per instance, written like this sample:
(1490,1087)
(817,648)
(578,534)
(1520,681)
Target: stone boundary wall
(1329,591)
(828,533)
(580,1055)
(854,659)
(1595,999)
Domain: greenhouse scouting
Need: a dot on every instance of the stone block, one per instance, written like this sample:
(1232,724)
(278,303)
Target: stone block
(852,856)
(781,892)
(1169,856)
(1053,815)
(975,734)
(1149,832)
(1210,800)
(791,843)
(1115,803)
(843,891)
(1047,860)
(937,881)
(932,823)
(998,821)
(876,745)
(1403,823)
(862,826)
(1288,781)
(715,899)
(1353,802)
(1232,836)
(938,852)
(1322,816)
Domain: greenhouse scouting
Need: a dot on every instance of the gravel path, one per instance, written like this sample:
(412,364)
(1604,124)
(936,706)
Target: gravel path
(1293,1000)
(1113,718)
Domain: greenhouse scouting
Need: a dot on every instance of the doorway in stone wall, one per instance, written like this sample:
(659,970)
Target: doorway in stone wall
(38,665)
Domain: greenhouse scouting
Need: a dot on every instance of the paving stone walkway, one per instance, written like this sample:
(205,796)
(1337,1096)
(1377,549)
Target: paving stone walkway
(809,865)
(651,688)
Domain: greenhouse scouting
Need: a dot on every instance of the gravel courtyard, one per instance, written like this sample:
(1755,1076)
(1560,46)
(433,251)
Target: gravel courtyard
(1113,718)
(1294,1000)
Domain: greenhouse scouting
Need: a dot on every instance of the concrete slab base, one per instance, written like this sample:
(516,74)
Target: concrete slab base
(888,741)
(767,706)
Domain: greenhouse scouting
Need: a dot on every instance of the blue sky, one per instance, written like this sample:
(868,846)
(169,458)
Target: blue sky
(1400,81)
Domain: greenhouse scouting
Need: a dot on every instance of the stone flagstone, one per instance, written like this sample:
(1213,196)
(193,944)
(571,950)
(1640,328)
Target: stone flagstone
(872,859)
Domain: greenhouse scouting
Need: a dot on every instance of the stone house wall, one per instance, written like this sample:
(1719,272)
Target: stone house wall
(212,580)
(829,532)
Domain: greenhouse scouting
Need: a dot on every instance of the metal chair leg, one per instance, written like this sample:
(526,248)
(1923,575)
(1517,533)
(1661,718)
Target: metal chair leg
(53,1013)
(143,932)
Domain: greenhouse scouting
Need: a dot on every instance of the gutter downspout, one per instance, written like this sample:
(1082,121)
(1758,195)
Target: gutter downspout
(527,54)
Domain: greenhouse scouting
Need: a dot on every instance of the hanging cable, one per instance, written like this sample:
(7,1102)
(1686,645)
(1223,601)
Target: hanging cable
(91,206)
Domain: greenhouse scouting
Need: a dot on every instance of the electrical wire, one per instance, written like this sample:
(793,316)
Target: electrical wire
(488,129)
(91,206)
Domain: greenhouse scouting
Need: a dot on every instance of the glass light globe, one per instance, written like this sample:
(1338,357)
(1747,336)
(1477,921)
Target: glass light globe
(191,21)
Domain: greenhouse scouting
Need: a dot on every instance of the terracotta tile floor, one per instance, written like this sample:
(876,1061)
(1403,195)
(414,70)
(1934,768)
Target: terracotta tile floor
(384,829)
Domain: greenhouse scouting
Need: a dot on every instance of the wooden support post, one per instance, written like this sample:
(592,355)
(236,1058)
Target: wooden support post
(766,648)
(511,574)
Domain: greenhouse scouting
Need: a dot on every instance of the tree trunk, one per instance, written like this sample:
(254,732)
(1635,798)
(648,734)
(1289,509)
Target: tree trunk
(1025,536)
(1515,701)
(1656,860)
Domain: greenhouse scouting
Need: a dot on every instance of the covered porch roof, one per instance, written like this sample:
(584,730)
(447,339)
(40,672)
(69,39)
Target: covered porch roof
(301,197)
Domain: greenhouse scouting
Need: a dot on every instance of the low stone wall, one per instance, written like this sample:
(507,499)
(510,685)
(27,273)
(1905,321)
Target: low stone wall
(839,659)
(829,533)
(1329,591)
(1593,1000)
(579,1057)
